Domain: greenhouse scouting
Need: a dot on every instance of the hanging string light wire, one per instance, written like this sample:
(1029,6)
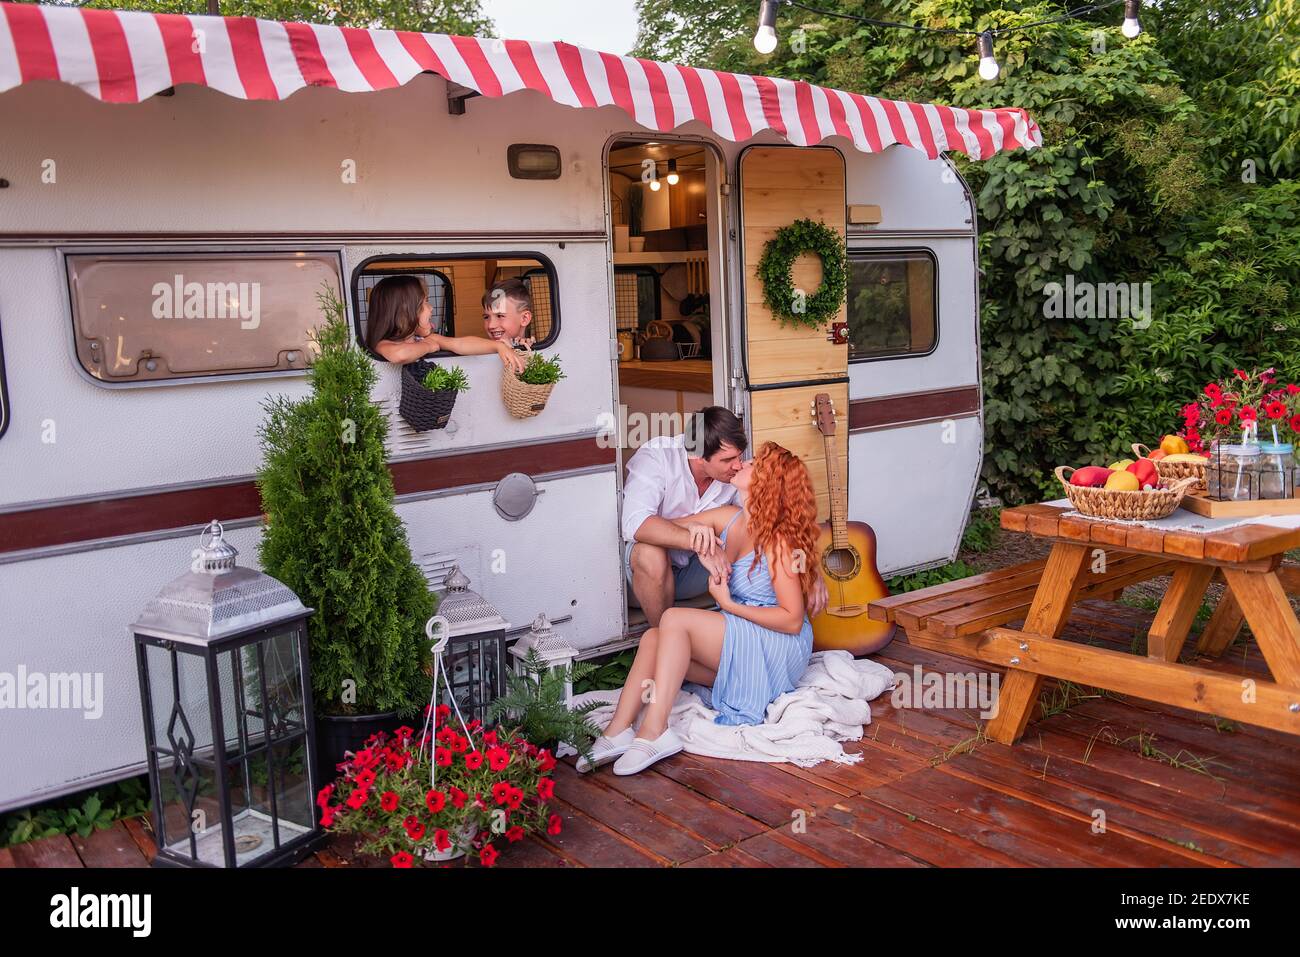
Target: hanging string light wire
(765,39)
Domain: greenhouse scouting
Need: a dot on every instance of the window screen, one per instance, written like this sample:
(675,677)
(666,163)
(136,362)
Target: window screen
(149,317)
(457,285)
(891,304)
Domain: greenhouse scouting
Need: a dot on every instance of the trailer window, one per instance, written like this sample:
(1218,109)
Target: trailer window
(457,285)
(892,304)
(142,317)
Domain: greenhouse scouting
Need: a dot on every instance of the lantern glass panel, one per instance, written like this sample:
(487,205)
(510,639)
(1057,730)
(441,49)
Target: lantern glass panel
(476,670)
(182,731)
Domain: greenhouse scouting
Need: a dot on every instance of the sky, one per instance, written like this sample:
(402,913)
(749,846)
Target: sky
(608,25)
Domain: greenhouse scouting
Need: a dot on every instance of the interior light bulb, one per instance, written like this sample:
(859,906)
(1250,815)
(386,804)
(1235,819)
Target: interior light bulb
(654,186)
(673,178)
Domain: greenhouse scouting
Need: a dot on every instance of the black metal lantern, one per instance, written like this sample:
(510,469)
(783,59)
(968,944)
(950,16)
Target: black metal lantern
(476,658)
(225,687)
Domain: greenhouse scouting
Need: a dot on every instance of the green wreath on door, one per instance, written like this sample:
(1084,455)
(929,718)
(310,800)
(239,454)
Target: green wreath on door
(796,307)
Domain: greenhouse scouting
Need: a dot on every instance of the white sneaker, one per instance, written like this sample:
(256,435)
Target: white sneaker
(642,753)
(604,750)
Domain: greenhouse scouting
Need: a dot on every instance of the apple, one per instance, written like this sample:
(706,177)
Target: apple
(1091,476)
(1147,475)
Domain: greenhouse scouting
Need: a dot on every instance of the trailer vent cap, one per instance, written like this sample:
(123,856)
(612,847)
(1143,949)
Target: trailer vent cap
(515,496)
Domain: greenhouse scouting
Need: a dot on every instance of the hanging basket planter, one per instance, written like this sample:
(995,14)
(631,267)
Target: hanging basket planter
(523,398)
(424,408)
(793,306)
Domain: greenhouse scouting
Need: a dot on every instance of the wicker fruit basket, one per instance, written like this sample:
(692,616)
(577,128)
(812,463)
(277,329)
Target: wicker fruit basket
(1124,506)
(1173,471)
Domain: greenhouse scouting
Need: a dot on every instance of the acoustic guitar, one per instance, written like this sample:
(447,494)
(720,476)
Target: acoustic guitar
(847,553)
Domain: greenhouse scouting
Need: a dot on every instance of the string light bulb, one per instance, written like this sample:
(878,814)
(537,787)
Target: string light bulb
(765,38)
(673,178)
(989,68)
(1132,27)
(655,185)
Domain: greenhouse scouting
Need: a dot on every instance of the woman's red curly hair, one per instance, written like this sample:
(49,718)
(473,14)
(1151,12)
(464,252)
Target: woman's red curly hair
(783,512)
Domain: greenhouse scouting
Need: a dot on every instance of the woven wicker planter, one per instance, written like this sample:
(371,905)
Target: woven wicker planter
(1171,472)
(1124,506)
(522,399)
(422,409)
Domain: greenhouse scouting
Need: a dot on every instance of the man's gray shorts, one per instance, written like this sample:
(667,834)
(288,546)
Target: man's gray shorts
(689,581)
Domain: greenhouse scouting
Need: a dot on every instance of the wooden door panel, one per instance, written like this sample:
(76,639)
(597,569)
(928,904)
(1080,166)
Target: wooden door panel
(783,416)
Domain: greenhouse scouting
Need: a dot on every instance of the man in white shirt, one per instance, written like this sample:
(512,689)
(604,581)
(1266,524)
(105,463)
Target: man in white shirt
(665,562)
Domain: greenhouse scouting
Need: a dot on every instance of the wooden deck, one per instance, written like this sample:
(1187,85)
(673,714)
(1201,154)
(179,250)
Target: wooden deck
(1174,789)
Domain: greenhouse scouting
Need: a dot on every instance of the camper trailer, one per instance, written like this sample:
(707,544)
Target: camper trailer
(176,190)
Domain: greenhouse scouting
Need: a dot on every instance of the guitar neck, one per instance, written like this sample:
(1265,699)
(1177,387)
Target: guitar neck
(839,518)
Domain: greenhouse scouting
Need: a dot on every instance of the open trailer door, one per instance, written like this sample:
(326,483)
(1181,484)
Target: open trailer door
(786,365)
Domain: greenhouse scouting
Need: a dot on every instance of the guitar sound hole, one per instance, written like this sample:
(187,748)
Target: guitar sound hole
(841,563)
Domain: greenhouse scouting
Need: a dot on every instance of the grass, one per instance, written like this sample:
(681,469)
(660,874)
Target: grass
(981,535)
(964,746)
(1065,695)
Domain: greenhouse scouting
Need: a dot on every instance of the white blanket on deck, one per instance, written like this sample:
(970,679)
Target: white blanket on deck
(830,704)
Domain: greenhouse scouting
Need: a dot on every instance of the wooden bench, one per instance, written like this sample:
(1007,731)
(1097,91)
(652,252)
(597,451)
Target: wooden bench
(950,617)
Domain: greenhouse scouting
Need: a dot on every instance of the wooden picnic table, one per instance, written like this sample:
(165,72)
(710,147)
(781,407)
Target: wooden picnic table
(1247,557)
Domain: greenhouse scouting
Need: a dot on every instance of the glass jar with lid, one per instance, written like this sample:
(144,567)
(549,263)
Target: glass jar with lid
(1276,470)
(1233,473)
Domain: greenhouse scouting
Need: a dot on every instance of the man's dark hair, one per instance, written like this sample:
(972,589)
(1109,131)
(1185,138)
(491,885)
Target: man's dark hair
(716,426)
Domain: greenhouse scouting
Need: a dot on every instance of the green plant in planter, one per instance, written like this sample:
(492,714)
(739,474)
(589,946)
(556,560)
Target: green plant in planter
(534,703)
(541,370)
(446,377)
(332,535)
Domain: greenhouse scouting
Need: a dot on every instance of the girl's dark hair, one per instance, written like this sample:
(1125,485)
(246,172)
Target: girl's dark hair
(393,311)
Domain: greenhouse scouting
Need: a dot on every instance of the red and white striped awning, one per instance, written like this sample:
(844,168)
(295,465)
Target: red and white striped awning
(123,57)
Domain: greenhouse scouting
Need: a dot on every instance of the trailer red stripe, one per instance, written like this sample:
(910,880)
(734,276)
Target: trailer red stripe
(665,115)
(32,42)
(361,46)
(734,97)
(525,64)
(423,54)
(112,56)
(922,121)
(771,103)
(896,123)
(812,128)
(158,511)
(250,60)
(571,62)
(839,119)
(982,136)
(485,78)
(868,118)
(695,93)
(178,42)
(306,51)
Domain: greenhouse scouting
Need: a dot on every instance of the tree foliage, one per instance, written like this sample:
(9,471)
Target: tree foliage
(332,534)
(1168,159)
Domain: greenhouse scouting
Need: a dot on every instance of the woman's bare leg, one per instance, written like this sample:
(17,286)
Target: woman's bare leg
(642,670)
(686,635)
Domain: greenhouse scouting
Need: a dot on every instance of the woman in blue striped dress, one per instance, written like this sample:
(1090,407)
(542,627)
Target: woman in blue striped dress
(752,650)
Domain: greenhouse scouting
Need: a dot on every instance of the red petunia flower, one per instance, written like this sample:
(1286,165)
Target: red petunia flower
(1293,389)
(1223,417)
(442,757)
(436,801)
(474,760)
(548,761)
(474,725)
(326,816)
(366,778)
(446,735)
(498,758)
(460,745)
(404,732)
(389,800)
(1212,390)
(402,859)
(490,737)
(357,798)
(1276,410)
(515,833)
(441,840)
(489,855)
(323,798)
(501,791)
(414,831)
(1295,423)
(441,714)
(546,788)
(553,825)
(1247,414)
(1241,375)
(514,797)
(458,797)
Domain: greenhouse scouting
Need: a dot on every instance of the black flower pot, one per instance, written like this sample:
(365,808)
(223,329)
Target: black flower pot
(422,409)
(336,734)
